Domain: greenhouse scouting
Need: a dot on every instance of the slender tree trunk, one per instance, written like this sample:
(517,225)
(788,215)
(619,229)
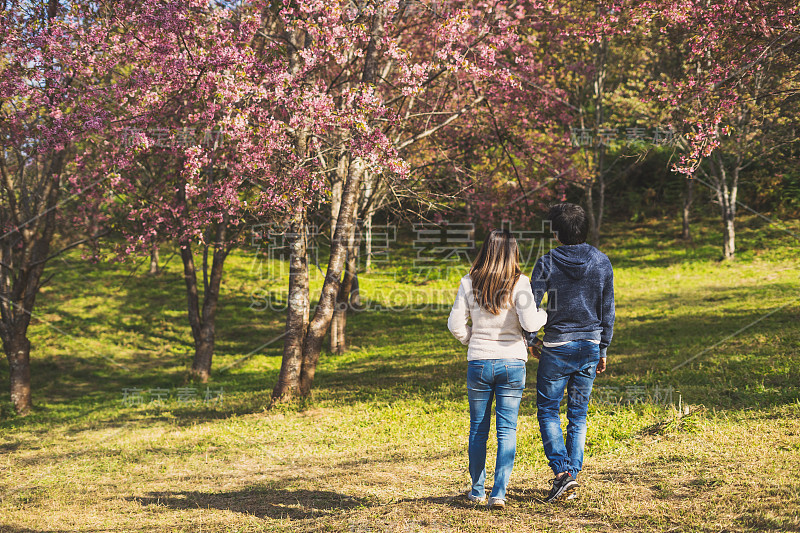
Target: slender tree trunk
(17,346)
(728,222)
(334,329)
(596,219)
(201,366)
(330,289)
(297,310)
(355,292)
(594,232)
(732,207)
(728,235)
(336,188)
(345,295)
(154,260)
(345,240)
(203,319)
(369,213)
(318,325)
(340,176)
(688,198)
(367,245)
(601,201)
(726,197)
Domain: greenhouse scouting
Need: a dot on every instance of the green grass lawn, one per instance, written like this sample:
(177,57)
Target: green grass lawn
(381,444)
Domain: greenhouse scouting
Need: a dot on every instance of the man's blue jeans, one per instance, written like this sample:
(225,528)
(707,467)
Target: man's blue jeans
(572,366)
(505,380)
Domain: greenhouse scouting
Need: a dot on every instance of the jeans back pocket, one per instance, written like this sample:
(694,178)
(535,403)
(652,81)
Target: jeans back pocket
(515,374)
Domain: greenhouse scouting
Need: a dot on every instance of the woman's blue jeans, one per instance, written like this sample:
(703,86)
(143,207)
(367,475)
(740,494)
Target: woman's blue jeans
(503,379)
(572,366)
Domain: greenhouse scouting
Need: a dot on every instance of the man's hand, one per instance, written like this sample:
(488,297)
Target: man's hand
(601,366)
(535,351)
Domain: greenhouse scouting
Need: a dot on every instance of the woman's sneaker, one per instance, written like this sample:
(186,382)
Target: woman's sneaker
(497,504)
(562,487)
(475,499)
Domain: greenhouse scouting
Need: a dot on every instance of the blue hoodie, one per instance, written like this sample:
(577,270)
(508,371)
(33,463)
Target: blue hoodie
(579,283)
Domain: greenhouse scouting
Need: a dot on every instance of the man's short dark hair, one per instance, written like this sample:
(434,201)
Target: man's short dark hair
(569,223)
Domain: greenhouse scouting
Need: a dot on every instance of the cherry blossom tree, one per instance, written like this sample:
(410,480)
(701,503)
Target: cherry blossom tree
(51,97)
(201,152)
(739,68)
(409,78)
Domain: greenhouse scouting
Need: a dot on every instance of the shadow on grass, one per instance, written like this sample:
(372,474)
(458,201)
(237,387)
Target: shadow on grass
(763,523)
(458,501)
(302,504)
(262,502)
(528,495)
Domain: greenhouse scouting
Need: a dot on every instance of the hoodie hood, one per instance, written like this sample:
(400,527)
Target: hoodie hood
(574,259)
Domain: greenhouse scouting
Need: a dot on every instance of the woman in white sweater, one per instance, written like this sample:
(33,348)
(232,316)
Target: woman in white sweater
(498,299)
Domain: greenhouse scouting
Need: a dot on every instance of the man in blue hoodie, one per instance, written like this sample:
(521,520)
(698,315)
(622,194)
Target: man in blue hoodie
(579,284)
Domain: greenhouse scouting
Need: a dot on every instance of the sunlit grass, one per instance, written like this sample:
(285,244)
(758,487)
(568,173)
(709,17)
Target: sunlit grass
(381,444)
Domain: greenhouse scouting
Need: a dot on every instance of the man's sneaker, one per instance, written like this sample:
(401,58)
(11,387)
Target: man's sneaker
(497,504)
(475,499)
(562,488)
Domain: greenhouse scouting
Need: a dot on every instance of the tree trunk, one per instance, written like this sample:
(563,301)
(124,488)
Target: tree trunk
(344,296)
(154,260)
(367,245)
(23,254)
(726,197)
(323,315)
(728,207)
(318,325)
(336,191)
(728,236)
(203,322)
(596,219)
(28,221)
(601,201)
(334,330)
(297,310)
(370,183)
(340,176)
(355,293)
(594,232)
(688,198)
(192,296)
(18,352)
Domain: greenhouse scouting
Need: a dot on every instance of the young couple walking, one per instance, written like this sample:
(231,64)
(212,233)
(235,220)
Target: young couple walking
(503,305)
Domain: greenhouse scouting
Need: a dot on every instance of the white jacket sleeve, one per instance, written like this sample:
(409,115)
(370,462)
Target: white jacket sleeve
(531,318)
(459,314)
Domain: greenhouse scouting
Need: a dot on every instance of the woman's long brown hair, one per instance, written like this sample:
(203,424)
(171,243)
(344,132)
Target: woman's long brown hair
(495,271)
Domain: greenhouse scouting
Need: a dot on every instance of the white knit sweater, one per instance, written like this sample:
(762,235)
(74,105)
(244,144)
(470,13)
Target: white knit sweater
(495,336)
